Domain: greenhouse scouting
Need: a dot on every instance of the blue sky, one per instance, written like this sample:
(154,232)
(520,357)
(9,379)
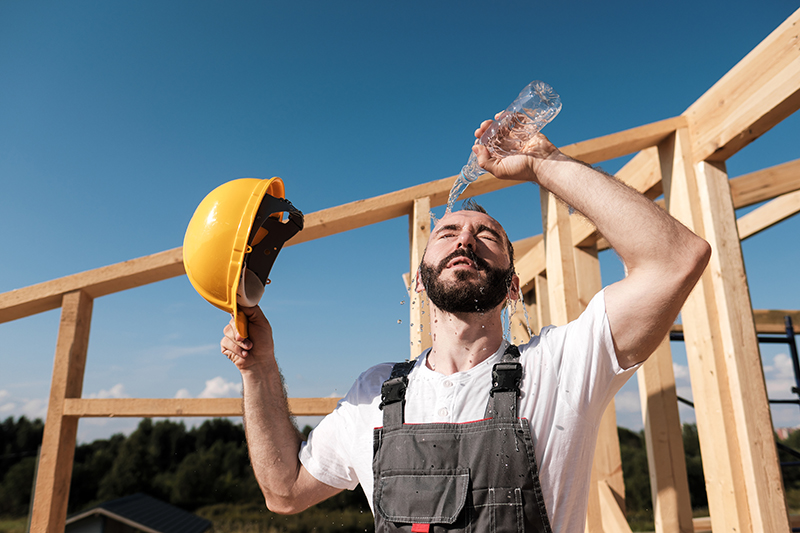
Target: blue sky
(117,118)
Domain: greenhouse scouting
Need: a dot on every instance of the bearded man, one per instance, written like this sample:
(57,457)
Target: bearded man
(476,434)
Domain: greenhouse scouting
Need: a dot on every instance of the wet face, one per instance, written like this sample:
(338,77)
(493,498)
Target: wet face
(466,267)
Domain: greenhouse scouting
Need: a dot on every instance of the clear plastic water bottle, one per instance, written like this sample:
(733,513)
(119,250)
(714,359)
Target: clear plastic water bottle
(534,108)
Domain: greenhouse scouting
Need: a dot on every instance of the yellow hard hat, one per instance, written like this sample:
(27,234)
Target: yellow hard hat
(233,239)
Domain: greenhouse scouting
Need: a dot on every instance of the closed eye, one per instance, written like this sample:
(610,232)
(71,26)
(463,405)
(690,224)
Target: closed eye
(487,233)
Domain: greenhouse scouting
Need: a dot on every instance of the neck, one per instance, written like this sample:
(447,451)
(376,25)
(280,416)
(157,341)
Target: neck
(462,341)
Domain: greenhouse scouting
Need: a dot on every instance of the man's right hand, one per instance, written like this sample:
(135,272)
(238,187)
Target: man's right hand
(246,353)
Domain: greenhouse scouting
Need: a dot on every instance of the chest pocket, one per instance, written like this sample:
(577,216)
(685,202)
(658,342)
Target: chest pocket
(429,497)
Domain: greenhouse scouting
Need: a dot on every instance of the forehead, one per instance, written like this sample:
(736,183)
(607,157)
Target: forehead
(469,220)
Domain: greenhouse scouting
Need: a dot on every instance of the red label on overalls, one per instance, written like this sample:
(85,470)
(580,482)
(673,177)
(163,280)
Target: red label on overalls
(420,528)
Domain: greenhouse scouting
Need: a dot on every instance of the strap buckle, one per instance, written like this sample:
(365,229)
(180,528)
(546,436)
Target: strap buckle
(393,391)
(506,377)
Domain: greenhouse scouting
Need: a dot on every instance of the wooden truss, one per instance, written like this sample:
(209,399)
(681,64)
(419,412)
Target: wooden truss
(683,160)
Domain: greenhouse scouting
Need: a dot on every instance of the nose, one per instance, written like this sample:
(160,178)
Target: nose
(466,240)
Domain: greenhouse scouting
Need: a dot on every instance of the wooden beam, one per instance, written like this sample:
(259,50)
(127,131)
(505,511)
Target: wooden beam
(419,230)
(45,296)
(529,266)
(180,407)
(523,246)
(523,320)
(757,93)
(41,297)
(542,301)
(669,484)
(768,215)
(60,430)
(721,463)
(613,517)
(765,184)
(703,523)
(560,261)
(772,320)
(767,321)
(400,203)
(745,374)
(607,463)
(623,143)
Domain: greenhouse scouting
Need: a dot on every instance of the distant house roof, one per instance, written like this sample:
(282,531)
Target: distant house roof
(147,514)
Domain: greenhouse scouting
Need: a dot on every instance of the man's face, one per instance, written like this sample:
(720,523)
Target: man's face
(466,268)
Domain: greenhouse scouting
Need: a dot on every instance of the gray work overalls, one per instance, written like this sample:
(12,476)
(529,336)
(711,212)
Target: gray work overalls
(477,476)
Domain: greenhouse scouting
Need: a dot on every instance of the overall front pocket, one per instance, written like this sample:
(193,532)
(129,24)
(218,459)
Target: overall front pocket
(422,497)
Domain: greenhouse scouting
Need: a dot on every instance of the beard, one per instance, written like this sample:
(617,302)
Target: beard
(466,295)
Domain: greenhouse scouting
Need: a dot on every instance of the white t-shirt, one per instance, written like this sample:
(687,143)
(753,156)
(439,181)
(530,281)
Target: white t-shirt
(570,374)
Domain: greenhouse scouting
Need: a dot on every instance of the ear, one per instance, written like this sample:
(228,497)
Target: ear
(418,286)
(513,289)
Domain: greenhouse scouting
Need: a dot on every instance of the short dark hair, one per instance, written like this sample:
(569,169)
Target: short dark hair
(471,205)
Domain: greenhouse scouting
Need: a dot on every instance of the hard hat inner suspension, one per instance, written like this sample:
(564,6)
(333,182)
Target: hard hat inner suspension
(269,233)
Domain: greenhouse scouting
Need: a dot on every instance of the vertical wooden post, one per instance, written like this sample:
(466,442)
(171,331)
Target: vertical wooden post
(608,483)
(58,446)
(722,466)
(559,260)
(419,232)
(741,355)
(523,321)
(565,265)
(666,459)
(542,301)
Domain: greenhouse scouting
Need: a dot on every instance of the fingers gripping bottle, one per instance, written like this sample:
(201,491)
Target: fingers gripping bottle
(534,108)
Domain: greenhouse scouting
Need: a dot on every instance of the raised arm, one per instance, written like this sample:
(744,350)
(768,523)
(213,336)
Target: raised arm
(663,259)
(272,438)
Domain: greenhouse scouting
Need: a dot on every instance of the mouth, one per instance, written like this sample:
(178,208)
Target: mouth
(461,262)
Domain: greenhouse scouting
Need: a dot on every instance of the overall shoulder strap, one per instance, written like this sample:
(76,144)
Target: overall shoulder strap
(506,378)
(393,394)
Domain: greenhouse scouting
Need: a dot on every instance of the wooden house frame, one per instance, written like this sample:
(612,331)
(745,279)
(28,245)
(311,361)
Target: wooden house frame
(682,158)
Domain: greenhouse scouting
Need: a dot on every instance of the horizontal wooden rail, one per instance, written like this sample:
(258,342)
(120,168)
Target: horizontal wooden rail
(624,142)
(765,184)
(45,296)
(769,214)
(767,321)
(702,524)
(641,173)
(169,407)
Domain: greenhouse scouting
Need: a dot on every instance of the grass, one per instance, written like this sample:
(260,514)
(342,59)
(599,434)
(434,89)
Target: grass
(253,518)
(13,525)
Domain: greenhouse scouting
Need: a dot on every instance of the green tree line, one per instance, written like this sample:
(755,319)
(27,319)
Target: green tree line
(207,467)
(204,469)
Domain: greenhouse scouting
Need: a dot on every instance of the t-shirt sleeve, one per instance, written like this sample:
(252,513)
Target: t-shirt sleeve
(582,356)
(333,450)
